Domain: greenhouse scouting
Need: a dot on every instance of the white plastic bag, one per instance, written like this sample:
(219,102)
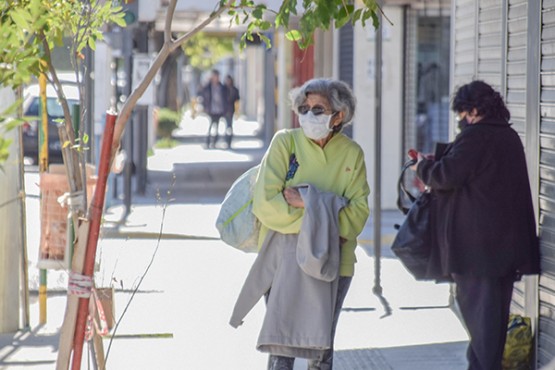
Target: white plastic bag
(237,225)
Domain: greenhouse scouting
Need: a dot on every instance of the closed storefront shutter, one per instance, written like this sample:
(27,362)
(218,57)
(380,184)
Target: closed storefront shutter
(346,60)
(489,45)
(516,64)
(515,94)
(546,338)
(464,42)
(411,77)
(346,51)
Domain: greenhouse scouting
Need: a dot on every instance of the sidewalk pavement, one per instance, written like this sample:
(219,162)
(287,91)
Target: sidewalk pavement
(178,318)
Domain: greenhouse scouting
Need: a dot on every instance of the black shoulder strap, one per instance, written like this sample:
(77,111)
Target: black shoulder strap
(404,198)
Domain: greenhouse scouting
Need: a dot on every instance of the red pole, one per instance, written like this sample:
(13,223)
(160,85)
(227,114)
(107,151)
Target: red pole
(95,215)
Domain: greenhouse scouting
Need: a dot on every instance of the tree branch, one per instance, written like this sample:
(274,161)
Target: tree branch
(72,165)
(198,27)
(169,18)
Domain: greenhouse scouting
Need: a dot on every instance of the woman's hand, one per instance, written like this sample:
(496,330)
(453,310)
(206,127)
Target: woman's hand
(419,158)
(293,197)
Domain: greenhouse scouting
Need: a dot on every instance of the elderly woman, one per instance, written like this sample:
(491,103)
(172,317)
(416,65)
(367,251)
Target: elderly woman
(320,155)
(487,229)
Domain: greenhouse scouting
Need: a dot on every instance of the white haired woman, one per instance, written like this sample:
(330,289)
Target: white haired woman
(317,153)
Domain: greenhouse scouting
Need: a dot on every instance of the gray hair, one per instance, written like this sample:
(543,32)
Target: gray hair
(339,95)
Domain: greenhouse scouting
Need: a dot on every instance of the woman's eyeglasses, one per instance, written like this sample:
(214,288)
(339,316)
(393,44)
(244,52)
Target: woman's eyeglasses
(316,110)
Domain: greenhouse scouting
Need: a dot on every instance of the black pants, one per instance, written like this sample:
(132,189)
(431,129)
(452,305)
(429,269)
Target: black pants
(229,129)
(214,121)
(325,362)
(484,303)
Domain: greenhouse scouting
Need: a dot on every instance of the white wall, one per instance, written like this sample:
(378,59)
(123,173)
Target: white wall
(392,100)
(147,10)
(253,92)
(284,80)
(11,241)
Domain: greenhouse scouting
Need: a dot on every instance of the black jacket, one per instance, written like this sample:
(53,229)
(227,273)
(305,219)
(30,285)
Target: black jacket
(207,93)
(232,97)
(485,224)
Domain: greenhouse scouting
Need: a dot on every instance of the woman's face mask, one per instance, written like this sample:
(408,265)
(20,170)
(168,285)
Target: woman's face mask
(315,127)
(462,124)
(462,120)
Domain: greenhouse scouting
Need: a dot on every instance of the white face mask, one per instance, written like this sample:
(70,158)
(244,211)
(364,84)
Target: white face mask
(315,127)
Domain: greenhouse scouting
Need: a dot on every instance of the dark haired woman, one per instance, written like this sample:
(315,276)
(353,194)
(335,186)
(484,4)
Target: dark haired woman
(487,235)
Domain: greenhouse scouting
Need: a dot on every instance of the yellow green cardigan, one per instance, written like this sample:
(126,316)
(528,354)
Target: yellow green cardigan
(338,167)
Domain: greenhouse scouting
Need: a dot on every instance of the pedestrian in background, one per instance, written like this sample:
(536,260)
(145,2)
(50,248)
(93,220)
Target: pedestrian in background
(320,155)
(214,98)
(487,229)
(232,99)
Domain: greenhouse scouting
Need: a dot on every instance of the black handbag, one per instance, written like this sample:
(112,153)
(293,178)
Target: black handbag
(415,239)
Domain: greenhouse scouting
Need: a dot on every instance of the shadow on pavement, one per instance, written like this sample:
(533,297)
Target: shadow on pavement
(434,356)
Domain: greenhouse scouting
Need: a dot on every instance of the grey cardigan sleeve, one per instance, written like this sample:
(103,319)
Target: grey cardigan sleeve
(258,282)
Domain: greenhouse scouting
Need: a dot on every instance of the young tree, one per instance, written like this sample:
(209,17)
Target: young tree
(31,29)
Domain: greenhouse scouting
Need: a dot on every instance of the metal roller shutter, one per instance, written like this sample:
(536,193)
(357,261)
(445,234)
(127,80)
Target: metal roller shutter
(489,47)
(464,42)
(411,61)
(515,94)
(546,334)
(516,64)
(346,52)
(346,60)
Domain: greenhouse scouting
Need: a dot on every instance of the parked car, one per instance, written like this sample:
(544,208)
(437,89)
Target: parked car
(31,107)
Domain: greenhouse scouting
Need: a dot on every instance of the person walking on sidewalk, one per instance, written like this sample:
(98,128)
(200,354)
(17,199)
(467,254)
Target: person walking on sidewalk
(214,97)
(328,160)
(232,99)
(487,233)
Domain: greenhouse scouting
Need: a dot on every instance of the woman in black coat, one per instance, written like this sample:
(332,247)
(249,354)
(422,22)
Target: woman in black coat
(487,231)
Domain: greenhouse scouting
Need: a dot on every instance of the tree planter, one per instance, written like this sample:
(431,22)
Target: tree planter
(55,234)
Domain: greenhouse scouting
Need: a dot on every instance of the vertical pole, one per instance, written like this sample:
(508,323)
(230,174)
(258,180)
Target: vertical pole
(533,144)
(127,53)
(22,209)
(128,169)
(141,141)
(377,290)
(89,104)
(269,94)
(76,116)
(43,167)
(94,217)
(378,159)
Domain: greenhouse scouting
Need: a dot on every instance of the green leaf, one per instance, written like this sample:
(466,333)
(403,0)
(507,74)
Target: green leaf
(293,35)
(266,40)
(4,150)
(18,16)
(85,138)
(12,109)
(118,19)
(265,25)
(341,22)
(257,13)
(357,15)
(366,14)
(375,20)
(13,123)
(92,43)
